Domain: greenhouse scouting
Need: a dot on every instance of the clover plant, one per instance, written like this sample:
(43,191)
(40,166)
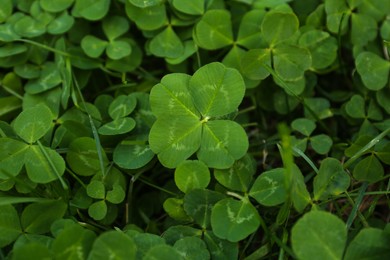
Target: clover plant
(194,129)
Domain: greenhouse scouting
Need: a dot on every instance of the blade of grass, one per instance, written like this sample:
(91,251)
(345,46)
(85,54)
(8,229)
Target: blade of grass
(307,159)
(53,167)
(93,127)
(367,147)
(17,200)
(356,204)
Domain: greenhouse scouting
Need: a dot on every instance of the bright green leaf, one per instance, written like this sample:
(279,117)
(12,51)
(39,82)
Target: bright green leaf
(132,156)
(148,18)
(44,165)
(175,139)
(33,123)
(223,142)
(174,208)
(249,32)
(117,126)
(93,46)
(83,157)
(253,62)
(92,10)
(322,47)
(214,30)
(116,195)
(269,189)
(115,26)
(191,7)
(373,69)
(5,10)
(50,78)
(167,44)
(171,97)
(312,237)
(113,245)
(277,27)
(98,210)
(290,62)
(12,49)
(28,27)
(216,90)
(57,6)
(337,13)
(363,29)
(234,220)
(96,190)
(61,24)
(191,175)
(118,49)
(12,157)
(73,242)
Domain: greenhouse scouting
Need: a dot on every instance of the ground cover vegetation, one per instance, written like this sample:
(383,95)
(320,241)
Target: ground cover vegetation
(194,129)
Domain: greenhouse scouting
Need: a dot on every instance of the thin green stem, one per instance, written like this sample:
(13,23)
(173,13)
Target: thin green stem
(9,90)
(93,127)
(356,205)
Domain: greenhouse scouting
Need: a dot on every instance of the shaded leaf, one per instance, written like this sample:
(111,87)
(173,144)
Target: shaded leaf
(9,225)
(198,204)
(330,180)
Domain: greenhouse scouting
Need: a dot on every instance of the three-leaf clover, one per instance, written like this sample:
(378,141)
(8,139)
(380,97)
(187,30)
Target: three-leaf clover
(281,52)
(42,164)
(187,110)
(320,143)
(116,48)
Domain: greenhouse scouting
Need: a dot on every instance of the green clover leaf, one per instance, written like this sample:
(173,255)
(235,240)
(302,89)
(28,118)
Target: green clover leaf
(312,238)
(234,219)
(187,110)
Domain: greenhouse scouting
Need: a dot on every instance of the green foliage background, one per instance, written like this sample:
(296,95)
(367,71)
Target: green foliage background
(194,129)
